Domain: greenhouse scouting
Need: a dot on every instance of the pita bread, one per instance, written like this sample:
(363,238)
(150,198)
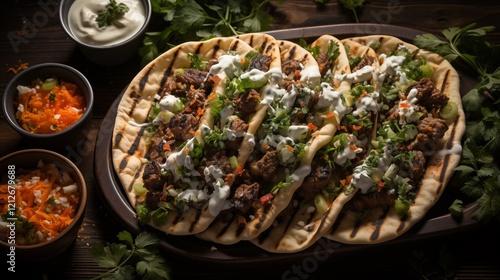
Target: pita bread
(378,225)
(130,142)
(302,223)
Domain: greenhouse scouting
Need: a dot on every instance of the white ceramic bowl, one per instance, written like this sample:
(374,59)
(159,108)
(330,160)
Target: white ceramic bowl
(106,54)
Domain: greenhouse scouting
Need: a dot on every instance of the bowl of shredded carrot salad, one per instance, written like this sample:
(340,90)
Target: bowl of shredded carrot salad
(42,202)
(49,105)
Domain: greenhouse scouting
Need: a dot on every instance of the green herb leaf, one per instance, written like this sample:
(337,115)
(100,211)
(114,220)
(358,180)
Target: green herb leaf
(457,208)
(134,258)
(352,5)
(126,237)
(113,11)
(109,256)
(153,269)
(190,20)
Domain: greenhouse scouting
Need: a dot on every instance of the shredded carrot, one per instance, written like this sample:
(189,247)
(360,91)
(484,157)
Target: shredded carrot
(311,126)
(199,111)
(356,127)
(380,185)
(404,105)
(264,147)
(363,93)
(18,68)
(289,148)
(52,111)
(212,96)
(353,147)
(296,74)
(239,169)
(166,147)
(43,208)
(341,127)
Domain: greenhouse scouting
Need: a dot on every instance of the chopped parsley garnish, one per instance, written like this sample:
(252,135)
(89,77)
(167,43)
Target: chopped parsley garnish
(353,60)
(360,89)
(113,11)
(197,62)
(277,121)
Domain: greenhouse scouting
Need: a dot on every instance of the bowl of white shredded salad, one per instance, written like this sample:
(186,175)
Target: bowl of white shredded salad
(43,197)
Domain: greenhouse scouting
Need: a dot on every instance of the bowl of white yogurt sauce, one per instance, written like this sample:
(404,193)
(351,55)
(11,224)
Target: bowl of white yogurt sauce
(108,32)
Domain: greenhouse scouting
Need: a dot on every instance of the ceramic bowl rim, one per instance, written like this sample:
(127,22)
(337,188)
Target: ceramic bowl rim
(11,89)
(64,23)
(81,205)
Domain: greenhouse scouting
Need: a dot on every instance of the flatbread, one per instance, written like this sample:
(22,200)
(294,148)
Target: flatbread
(130,142)
(302,223)
(230,228)
(282,220)
(378,225)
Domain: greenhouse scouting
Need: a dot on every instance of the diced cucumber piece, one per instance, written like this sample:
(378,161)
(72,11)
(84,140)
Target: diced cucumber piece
(49,84)
(449,112)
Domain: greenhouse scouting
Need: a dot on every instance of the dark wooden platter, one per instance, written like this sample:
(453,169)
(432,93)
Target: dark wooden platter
(437,223)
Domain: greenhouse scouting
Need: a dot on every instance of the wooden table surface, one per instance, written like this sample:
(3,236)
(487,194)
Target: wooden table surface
(475,253)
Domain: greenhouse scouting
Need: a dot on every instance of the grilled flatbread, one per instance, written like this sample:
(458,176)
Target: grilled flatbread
(318,200)
(252,138)
(415,149)
(179,176)
(294,128)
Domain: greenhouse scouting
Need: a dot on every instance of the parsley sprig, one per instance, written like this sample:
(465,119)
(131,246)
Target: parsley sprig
(130,258)
(352,5)
(478,173)
(113,11)
(190,20)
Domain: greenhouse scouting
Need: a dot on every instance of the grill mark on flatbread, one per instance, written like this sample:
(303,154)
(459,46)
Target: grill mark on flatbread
(355,229)
(135,97)
(336,223)
(135,144)
(263,217)
(224,229)
(402,226)
(378,225)
(164,78)
(144,80)
(195,221)
(123,164)
(136,176)
(118,138)
(446,160)
(323,221)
